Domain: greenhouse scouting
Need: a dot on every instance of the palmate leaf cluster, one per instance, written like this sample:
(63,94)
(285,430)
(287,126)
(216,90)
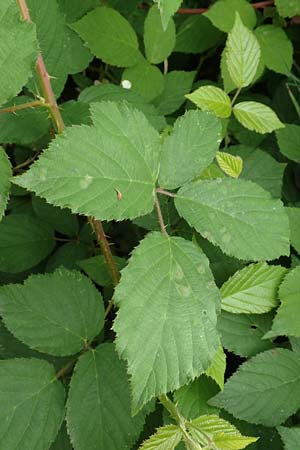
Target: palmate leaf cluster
(182,137)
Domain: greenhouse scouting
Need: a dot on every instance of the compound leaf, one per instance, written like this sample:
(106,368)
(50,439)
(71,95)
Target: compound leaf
(257,117)
(165,438)
(222,14)
(146,80)
(212,98)
(231,165)
(169,283)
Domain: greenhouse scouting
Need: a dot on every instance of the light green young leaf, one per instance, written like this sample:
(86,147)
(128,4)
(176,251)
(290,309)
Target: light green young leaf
(18,49)
(176,84)
(5,175)
(56,313)
(290,437)
(286,321)
(167,8)
(257,117)
(120,154)
(243,334)
(100,385)
(231,165)
(245,394)
(288,8)
(146,80)
(159,43)
(242,54)
(294,219)
(169,283)
(238,216)
(222,14)
(165,438)
(288,139)
(252,290)
(24,242)
(217,370)
(189,149)
(211,98)
(29,395)
(212,430)
(109,36)
(276,48)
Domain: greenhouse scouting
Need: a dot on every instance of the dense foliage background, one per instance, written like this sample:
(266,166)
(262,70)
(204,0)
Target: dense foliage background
(149,225)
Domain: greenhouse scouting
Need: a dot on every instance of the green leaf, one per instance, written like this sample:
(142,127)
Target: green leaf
(222,14)
(109,36)
(75,9)
(97,270)
(100,385)
(55,313)
(238,216)
(217,370)
(288,139)
(290,437)
(231,165)
(146,79)
(242,54)
(165,438)
(176,84)
(257,117)
(24,242)
(124,149)
(167,8)
(18,49)
(245,394)
(5,176)
(62,441)
(189,149)
(213,430)
(159,43)
(288,9)
(196,34)
(30,395)
(276,48)
(211,98)
(286,321)
(67,255)
(294,219)
(252,290)
(243,334)
(167,282)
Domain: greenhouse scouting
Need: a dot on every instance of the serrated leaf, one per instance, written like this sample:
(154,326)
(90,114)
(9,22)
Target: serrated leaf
(294,219)
(276,48)
(242,54)
(231,165)
(109,36)
(257,117)
(56,313)
(100,385)
(217,370)
(189,149)
(167,8)
(288,139)
(67,256)
(238,216)
(212,430)
(243,334)
(169,282)
(29,395)
(24,242)
(222,14)
(97,270)
(123,149)
(165,438)
(247,396)
(288,9)
(252,290)
(290,437)
(18,48)
(211,98)
(159,42)
(286,321)
(146,79)
(5,175)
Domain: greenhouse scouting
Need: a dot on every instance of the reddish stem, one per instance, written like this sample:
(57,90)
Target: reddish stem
(259,5)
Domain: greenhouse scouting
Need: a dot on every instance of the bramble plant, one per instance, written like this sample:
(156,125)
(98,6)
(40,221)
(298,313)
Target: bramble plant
(149,225)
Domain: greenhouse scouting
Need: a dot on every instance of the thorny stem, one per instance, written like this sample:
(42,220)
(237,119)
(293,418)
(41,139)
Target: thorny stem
(160,217)
(15,108)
